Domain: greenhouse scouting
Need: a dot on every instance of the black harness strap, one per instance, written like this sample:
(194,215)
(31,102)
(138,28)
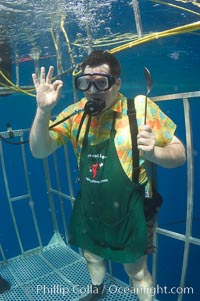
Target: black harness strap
(151,205)
(131,112)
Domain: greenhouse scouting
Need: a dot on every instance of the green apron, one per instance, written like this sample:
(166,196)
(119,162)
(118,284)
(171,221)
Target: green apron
(108,216)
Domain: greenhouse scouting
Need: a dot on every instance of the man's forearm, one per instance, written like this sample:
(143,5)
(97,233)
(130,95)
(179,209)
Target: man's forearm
(40,140)
(170,156)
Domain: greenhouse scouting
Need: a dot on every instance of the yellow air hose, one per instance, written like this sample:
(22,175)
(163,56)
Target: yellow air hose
(13,86)
(176,6)
(158,35)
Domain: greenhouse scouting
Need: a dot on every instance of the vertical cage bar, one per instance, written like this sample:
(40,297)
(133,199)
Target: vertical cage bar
(190,191)
(31,203)
(50,196)
(68,169)
(155,255)
(60,197)
(59,56)
(88,27)
(9,198)
(137,15)
(16,66)
(62,26)
(2,253)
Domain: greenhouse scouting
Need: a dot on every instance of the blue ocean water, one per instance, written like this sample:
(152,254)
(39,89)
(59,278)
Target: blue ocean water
(174,64)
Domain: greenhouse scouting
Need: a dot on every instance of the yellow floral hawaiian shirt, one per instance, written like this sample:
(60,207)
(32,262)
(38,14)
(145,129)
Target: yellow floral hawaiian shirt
(162,126)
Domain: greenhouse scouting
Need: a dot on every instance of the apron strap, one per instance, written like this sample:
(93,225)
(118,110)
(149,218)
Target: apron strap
(85,139)
(88,127)
(86,130)
(113,122)
(131,112)
(80,126)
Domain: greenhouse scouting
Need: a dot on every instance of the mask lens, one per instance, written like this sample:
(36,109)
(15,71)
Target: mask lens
(82,83)
(101,83)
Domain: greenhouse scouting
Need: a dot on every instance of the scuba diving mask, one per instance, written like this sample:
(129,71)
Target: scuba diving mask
(100,81)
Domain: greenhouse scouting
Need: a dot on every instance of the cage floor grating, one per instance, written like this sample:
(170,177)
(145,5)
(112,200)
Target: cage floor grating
(56,273)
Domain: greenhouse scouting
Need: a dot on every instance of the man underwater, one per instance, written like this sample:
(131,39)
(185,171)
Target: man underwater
(108,220)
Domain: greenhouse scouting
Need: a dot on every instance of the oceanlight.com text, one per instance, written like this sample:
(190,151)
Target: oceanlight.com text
(111,289)
(153,291)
